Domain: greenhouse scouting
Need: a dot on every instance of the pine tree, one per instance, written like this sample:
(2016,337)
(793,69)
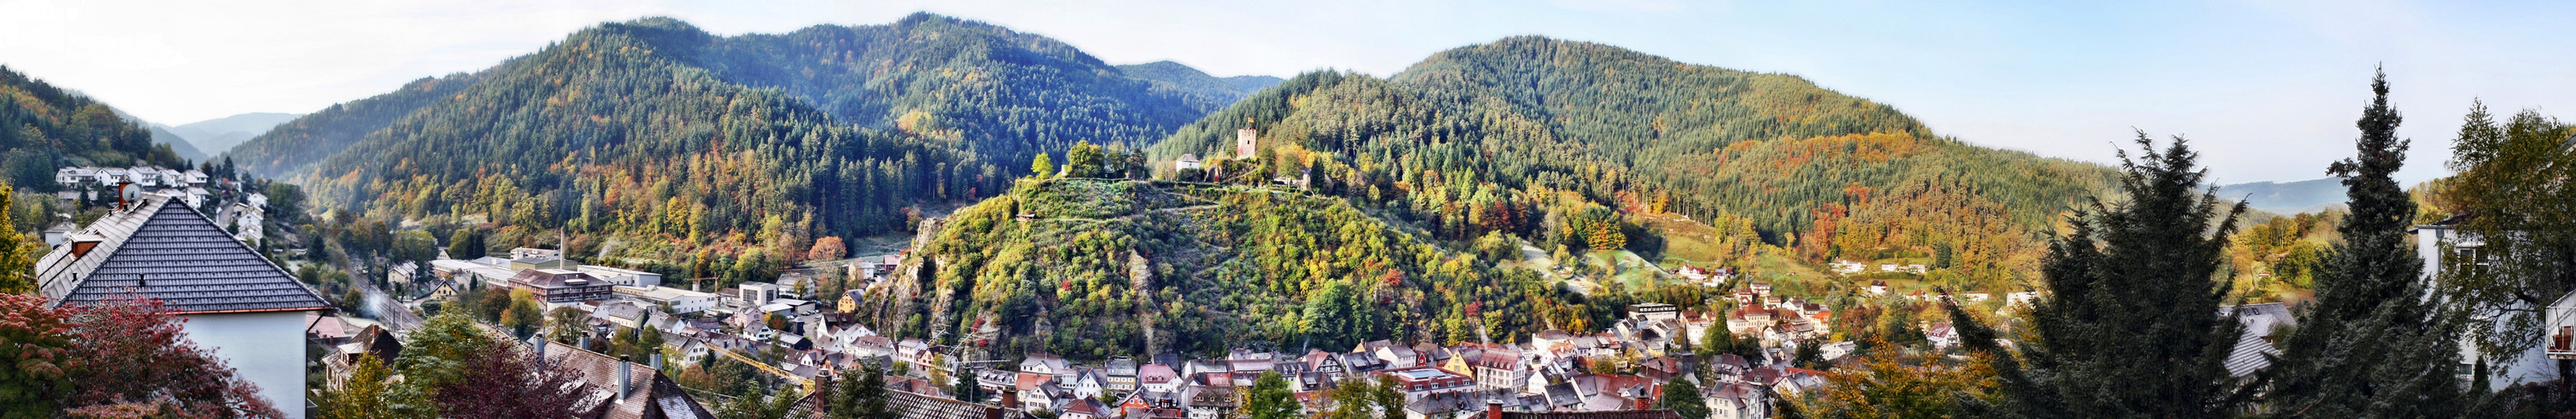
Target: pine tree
(2373,343)
(870,396)
(2131,328)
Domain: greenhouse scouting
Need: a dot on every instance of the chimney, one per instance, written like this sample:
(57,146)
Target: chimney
(625,374)
(657,361)
(1493,408)
(583,342)
(1645,403)
(1010,399)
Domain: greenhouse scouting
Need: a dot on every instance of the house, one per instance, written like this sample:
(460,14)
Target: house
(1088,384)
(1157,378)
(1121,373)
(73,177)
(1206,402)
(1737,401)
(623,314)
(374,341)
(617,388)
(561,286)
(1500,368)
(1419,381)
(1187,162)
(248,227)
(59,234)
(2254,347)
(235,303)
(1878,287)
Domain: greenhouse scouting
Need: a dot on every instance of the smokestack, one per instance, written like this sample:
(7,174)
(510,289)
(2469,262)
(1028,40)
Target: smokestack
(625,374)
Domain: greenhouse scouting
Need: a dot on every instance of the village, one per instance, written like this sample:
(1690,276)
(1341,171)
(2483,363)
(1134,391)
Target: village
(799,340)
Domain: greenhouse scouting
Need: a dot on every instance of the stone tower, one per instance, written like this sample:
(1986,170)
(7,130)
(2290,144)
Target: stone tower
(1243,142)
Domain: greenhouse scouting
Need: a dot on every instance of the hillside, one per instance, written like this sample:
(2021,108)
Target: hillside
(290,147)
(1495,130)
(43,127)
(1091,268)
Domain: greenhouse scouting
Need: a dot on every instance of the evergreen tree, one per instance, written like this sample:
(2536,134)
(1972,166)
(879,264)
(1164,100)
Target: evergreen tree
(2132,328)
(2373,344)
(865,398)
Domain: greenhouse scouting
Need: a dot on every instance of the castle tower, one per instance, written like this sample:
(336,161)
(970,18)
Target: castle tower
(1243,142)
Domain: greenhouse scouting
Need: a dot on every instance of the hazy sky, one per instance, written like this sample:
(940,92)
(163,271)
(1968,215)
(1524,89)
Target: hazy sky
(2268,88)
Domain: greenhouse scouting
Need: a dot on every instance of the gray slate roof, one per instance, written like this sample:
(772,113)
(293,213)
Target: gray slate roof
(2254,344)
(164,250)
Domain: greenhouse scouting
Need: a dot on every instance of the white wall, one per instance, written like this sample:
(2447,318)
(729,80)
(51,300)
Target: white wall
(266,348)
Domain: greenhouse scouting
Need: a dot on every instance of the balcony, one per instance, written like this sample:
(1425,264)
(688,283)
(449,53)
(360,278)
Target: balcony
(2561,326)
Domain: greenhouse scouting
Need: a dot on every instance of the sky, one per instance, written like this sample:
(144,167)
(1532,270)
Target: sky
(2267,89)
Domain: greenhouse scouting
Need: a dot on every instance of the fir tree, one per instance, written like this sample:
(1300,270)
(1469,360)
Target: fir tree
(2131,328)
(2373,344)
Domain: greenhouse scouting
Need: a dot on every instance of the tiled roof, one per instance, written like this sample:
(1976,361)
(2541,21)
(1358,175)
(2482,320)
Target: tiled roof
(2254,345)
(651,394)
(171,253)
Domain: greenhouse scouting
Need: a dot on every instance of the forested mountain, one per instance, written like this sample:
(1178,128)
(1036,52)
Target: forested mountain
(43,127)
(221,134)
(1475,139)
(289,147)
(1172,75)
(648,137)
(1090,268)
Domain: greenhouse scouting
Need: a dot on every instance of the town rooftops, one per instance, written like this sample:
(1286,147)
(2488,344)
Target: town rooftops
(172,254)
(647,393)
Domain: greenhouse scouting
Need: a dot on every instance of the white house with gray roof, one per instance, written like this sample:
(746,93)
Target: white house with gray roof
(235,302)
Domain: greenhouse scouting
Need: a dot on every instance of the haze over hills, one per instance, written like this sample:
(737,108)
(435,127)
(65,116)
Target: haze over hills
(215,136)
(1172,75)
(2288,197)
